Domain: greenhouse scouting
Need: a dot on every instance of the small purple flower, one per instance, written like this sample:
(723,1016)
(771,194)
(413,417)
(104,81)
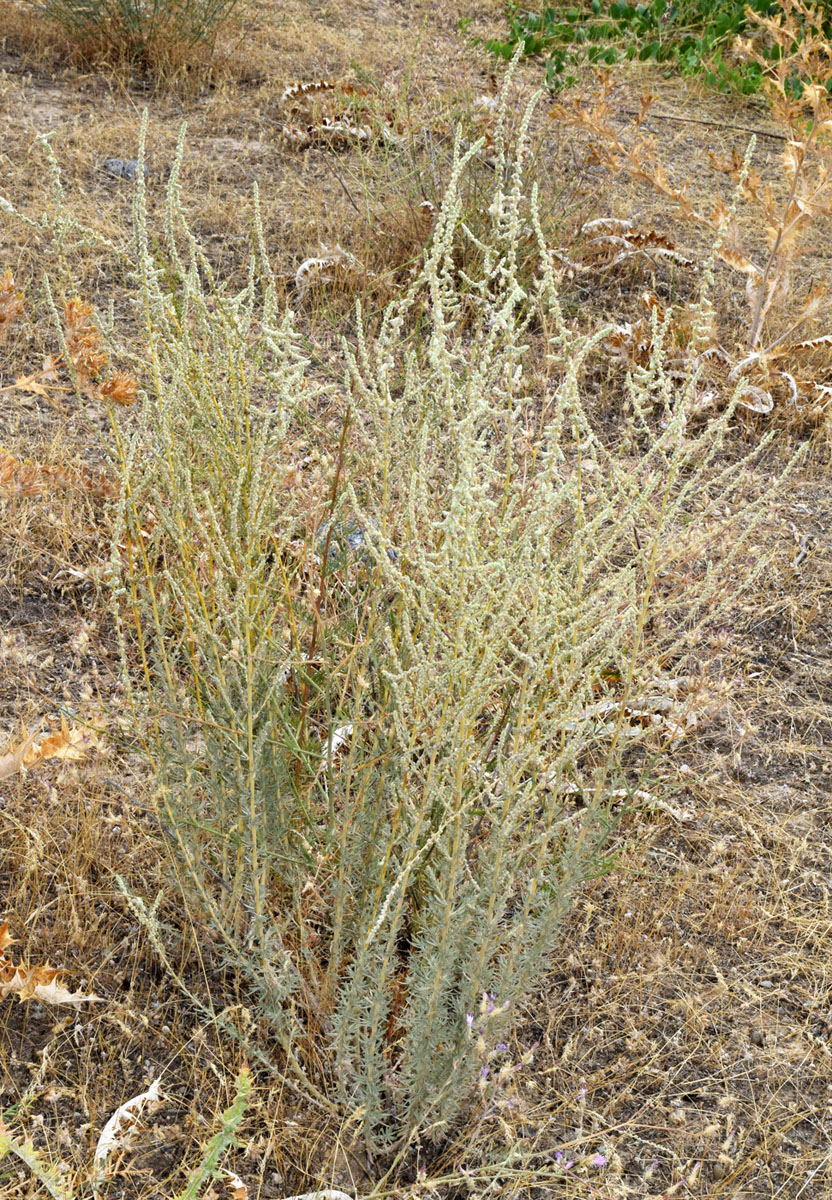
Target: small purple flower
(501,1046)
(600,1160)
(485,1071)
(469,1019)
(558,1155)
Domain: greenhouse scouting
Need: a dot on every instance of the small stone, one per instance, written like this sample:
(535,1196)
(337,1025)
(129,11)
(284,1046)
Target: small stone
(125,168)
(758,1037)
(345,540)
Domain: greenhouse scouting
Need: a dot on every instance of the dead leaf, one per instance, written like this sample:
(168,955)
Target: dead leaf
(40,983)
(237,1190)
(71,745)
(122,1125)
(12,761)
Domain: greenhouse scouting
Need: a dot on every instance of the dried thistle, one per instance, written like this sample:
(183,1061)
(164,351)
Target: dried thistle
(802,53)
(19,478)
(120,388)
(83,341)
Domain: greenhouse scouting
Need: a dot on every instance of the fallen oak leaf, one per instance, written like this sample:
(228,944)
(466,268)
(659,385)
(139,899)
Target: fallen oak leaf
(5,939)
(40,983)
(32,383)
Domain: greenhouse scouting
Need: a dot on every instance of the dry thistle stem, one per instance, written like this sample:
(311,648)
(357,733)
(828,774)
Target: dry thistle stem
(11,304)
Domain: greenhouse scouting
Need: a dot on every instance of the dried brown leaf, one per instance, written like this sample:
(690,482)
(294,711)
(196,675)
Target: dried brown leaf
(13,760)
(40,983)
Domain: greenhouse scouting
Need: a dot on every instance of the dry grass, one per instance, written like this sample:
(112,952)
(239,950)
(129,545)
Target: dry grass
(686,1035)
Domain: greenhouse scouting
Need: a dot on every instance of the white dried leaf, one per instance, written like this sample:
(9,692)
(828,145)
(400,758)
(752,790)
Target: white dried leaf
(122,1124)
(340,737)
(237,1190)
(304,89)
(756,399)
(607,223)
(320,268)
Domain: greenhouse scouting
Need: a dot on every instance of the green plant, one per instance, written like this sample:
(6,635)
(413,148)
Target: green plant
(696,36)
(370,761)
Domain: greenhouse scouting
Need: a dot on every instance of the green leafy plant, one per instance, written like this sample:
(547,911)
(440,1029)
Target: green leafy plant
(694,36)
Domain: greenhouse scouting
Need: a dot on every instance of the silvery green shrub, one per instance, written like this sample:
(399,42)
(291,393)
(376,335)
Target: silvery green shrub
(371,770)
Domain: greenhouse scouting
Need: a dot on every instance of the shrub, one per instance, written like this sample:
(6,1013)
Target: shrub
(695,36)
(390,709)
(145,32)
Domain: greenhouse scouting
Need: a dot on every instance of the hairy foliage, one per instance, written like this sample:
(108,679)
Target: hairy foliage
(369,753)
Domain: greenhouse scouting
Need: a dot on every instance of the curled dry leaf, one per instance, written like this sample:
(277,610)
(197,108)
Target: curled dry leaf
(19,478)
(756,400)
(298,89)
(323,1194)
(330,265)
(70,745)
(11,303)
(13,760)
(122,1125)
(237,1190)
(340,737)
